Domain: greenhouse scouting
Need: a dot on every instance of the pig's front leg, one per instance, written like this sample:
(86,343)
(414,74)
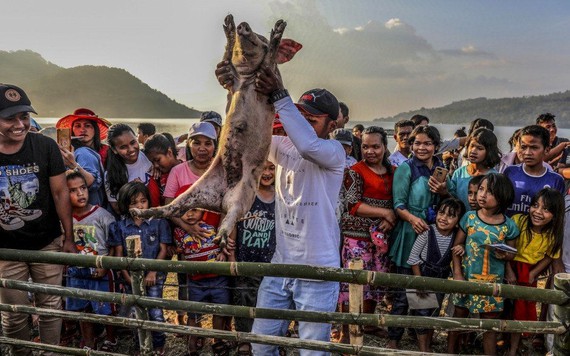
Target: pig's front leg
(230,31)
(274,40)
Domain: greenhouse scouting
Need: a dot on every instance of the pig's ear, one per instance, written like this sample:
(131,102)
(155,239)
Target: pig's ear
(287,50)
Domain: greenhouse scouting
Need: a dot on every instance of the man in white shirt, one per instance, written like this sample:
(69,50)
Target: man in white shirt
(309,175)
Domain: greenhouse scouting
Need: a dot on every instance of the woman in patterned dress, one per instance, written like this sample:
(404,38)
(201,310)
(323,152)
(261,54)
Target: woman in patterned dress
(368,199)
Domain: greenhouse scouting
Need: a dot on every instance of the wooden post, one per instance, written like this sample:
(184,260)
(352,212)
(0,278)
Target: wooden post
(134,250)
(562,314)
(355,294)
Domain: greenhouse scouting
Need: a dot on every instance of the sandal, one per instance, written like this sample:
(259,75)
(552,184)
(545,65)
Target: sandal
(244,349)
(221,348)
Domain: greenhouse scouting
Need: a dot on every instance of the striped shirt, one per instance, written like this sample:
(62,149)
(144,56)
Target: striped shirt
(419,250)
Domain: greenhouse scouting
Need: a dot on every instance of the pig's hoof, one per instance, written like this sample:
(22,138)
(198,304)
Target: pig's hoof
(279,28)
(229,25)
(135,212)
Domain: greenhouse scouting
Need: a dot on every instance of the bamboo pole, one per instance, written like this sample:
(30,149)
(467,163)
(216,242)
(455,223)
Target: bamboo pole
(210,333)
(55,348)
(562,315)
(355,292)
(134,250)
(381,320)
(549,296)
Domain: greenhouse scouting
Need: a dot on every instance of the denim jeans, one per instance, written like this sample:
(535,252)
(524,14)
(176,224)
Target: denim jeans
(15,325)
(298,294)
(155,314)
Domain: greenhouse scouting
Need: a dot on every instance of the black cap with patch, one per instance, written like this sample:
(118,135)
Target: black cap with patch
(13,100)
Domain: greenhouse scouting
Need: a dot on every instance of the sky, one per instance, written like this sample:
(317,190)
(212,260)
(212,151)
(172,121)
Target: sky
(381,57)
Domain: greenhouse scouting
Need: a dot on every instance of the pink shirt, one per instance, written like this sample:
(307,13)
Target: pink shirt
(179,176)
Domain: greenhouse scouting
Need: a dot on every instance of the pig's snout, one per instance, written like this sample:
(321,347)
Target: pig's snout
(243,29)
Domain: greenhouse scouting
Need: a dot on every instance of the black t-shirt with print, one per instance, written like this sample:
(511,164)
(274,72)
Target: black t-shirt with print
(28,219)
(255,240)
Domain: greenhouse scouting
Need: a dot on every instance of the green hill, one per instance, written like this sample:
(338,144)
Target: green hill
(110,92)
(506,112)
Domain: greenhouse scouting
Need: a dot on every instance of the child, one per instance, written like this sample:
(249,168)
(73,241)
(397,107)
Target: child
(431,257)
(542,234)
(345,138)
(472,192)
(482,154)
(488,225)
(209,288)
(414,192)
(160,149)
(90,231)
(254,238)
(126,163)
(531,176)
(155,236)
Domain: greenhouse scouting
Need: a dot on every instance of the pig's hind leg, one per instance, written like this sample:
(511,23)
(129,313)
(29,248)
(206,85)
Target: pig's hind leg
(207,193)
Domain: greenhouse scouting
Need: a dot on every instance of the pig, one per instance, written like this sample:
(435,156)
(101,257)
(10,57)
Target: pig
(230,184)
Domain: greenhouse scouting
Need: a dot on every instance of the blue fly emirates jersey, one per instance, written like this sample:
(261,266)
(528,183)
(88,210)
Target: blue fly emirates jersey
(527,186)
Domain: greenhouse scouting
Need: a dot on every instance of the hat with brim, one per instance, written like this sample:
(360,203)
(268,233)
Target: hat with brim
(202,129)
(304,108)
(66,122)
(319,102)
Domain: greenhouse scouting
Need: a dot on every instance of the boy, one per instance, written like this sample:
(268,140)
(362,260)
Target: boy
(208,288)
(472,192)
(402,131)
(531,176)
(90,231)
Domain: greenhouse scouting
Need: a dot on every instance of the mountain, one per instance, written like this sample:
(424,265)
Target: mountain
(111,92)
(503,112)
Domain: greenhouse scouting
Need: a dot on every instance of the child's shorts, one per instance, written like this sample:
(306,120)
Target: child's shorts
(208,290)
(80,277)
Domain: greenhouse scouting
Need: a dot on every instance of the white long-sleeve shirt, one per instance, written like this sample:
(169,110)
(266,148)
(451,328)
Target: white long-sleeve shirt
(308,179)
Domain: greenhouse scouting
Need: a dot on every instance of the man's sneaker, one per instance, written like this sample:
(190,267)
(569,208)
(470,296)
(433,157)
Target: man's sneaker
(9,222)
(24,214)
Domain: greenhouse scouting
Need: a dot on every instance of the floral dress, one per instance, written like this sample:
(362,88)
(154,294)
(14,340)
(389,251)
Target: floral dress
(364,186)
(479,263)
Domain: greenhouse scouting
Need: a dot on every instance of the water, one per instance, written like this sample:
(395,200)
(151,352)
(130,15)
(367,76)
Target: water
(179,126)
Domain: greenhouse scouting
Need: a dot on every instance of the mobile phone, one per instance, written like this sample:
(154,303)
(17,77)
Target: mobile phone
(440,174)
(64,138)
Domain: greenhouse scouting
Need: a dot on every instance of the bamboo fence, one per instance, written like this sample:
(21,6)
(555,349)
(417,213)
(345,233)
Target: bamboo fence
(559,297)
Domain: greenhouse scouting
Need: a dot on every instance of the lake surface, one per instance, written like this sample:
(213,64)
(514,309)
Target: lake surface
(179,126)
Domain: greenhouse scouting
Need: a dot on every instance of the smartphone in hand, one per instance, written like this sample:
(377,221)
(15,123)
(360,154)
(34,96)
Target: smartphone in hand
(64,138)
(440,174)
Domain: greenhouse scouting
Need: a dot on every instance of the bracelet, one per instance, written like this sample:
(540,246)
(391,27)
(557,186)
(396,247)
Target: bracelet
(278,95)
(77,168)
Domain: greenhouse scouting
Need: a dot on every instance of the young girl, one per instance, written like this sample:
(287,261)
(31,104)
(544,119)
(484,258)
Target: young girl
(482,154)
(160,149)
(540,241)
(414,191)
(488,225)
(254,238)
(431,257)
(155,237)
(127,163)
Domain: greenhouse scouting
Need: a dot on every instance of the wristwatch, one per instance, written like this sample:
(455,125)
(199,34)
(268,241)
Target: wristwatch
(278,95)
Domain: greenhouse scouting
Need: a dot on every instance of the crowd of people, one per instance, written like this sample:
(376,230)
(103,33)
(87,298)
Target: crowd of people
(456,208)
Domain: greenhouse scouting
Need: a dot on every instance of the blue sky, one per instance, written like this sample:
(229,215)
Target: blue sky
(380,57)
